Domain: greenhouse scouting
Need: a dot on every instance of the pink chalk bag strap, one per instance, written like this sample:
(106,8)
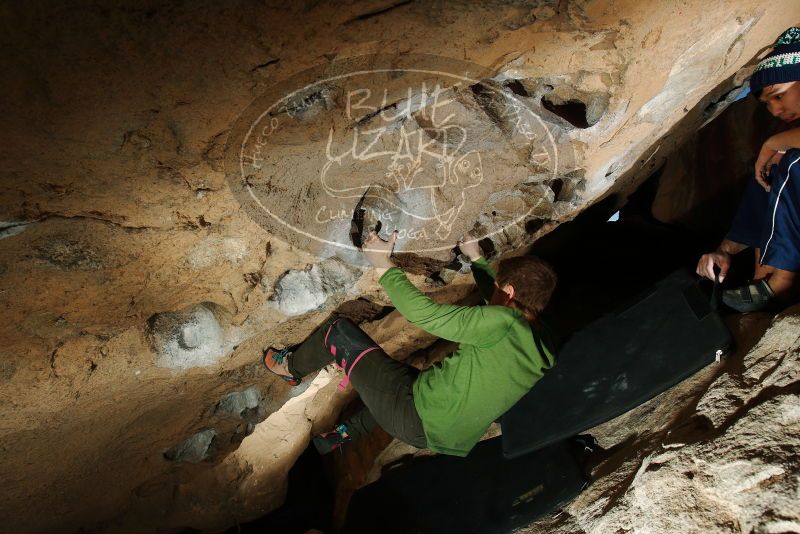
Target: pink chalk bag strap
(343,363)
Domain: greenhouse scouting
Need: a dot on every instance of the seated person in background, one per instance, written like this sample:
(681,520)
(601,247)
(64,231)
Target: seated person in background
(768,219)
(449,406)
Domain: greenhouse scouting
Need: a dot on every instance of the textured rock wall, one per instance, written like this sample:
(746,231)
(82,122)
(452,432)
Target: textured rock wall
(702,181)
(136,295)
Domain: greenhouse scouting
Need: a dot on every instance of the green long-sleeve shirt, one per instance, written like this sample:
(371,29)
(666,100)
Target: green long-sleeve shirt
(499,358)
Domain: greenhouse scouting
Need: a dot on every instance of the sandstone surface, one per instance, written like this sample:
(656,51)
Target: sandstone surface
(136,293)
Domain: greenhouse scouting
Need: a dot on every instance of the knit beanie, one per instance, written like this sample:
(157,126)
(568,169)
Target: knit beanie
(781,65)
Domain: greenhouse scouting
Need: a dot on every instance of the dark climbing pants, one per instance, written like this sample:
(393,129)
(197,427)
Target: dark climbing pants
(770,221)
(384,385)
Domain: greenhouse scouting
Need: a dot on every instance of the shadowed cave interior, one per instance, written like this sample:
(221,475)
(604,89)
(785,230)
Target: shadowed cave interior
(182,186)
(609,254)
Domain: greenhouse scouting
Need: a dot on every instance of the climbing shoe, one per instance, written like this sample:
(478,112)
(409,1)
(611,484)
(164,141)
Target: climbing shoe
(330,441)
(275,361)
(752,297)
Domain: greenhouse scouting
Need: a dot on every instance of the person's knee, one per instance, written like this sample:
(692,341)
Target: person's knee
(334,318)
(335,323)
(346,342)
(345,327)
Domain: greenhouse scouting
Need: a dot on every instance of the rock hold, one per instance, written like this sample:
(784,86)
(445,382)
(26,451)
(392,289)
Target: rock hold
(238,403)
(194,449)
(301,291)
(189,338)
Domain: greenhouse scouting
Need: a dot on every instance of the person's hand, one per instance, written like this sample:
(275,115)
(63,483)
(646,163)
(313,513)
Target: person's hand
(470,249)
(771,153)
(705,267)
(378,252)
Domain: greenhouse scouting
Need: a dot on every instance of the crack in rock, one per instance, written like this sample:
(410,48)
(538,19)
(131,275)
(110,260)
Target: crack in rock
(12,228)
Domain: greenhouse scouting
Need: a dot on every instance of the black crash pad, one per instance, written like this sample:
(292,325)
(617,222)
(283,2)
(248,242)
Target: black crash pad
(482,493)
(618,362)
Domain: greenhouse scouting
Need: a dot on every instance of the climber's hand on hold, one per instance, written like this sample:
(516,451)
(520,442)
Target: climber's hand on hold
(378,252)
(470,249)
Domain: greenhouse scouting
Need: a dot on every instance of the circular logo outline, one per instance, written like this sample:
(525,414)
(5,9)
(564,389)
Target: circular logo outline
(241,176)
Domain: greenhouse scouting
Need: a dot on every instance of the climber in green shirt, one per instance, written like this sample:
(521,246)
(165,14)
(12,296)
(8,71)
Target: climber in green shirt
(502,352)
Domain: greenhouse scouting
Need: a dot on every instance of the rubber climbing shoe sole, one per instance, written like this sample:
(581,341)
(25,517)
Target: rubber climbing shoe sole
(330,441)
(749,298)
(273,358)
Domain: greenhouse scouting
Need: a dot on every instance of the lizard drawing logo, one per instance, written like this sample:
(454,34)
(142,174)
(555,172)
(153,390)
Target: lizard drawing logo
(375,143)
(428,166)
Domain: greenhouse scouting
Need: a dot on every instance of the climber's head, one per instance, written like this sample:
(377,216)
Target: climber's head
(782,100)
(775,80)
(525,283)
